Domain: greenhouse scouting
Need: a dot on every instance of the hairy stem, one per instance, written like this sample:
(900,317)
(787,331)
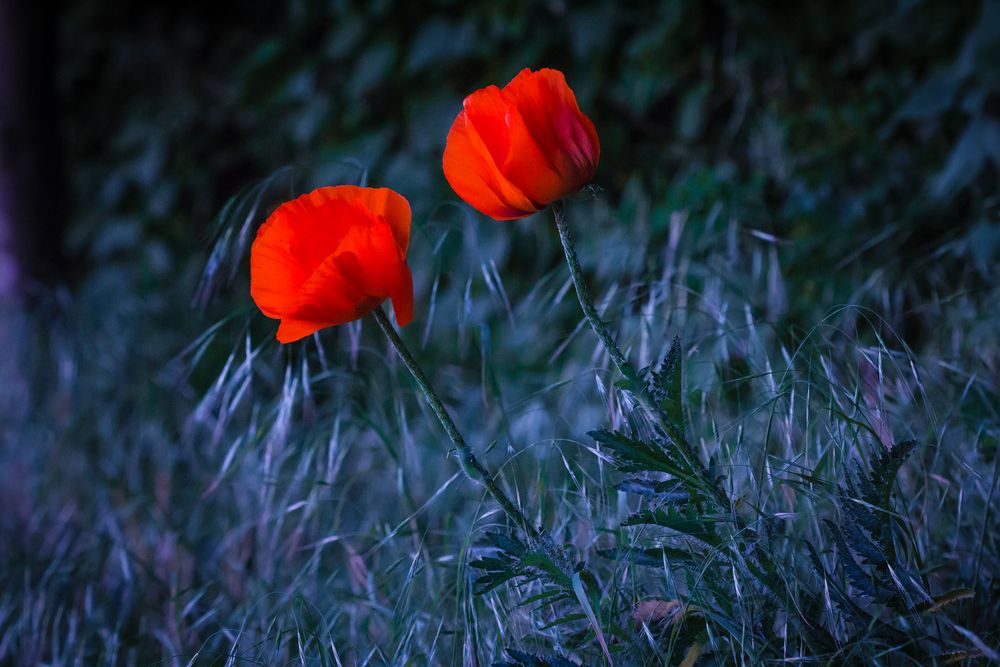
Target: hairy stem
(637,387)
(471,465)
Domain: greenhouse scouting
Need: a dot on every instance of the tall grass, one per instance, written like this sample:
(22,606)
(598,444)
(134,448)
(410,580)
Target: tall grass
(252,504)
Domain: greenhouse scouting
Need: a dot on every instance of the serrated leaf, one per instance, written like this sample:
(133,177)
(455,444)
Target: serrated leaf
(666,387)
(855,574)
(870,552)
(630,455)
(545,563)
(652,557)
(489,563)
(861,513)
(488,582)
(688,524)
(855,614)
(507,543)
(878,487)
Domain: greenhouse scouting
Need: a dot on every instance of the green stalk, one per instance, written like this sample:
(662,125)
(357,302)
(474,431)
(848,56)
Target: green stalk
(636,386)
(473,469)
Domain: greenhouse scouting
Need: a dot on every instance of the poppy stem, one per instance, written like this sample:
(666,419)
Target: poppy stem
(471,465)
(636,386)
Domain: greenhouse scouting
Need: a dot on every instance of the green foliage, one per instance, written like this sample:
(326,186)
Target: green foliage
(666,387)
(866,532)
(543,560)
(688,523)
(876,488)
(630,455)
(724,548)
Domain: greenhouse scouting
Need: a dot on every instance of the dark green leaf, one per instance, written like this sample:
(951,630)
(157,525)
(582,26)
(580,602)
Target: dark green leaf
(652,557)
(689,524)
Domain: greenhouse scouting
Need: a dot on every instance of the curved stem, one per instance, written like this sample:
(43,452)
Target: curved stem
(637,387)
(467,459)
(583,295)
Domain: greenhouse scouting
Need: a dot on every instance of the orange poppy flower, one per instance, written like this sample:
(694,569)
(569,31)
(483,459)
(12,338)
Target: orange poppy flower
(513,151)
(332,256)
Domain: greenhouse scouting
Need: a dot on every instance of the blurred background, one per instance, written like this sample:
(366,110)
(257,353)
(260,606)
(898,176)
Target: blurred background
(127,130)
(785,157)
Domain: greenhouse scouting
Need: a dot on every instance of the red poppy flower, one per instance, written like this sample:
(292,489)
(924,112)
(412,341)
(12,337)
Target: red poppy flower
(332,256)
(513,151)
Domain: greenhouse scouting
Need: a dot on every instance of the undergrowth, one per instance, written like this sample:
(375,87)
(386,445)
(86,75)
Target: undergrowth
(824,496)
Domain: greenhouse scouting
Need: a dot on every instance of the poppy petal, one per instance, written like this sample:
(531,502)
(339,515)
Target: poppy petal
(275,275)
(371,261)
(295,240)
(330,296)
(550,110)
(382,202)
(330,257)
(471,171)
(529,166)
(402,298)
(291,330)
(515,150)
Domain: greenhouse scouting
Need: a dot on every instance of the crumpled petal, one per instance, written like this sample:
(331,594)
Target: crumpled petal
(382,202)
(513,151)
(549,109)
(294,241)
(472,172)
(331,257)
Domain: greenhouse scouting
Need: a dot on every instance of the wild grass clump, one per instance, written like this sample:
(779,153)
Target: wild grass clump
(824,495)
